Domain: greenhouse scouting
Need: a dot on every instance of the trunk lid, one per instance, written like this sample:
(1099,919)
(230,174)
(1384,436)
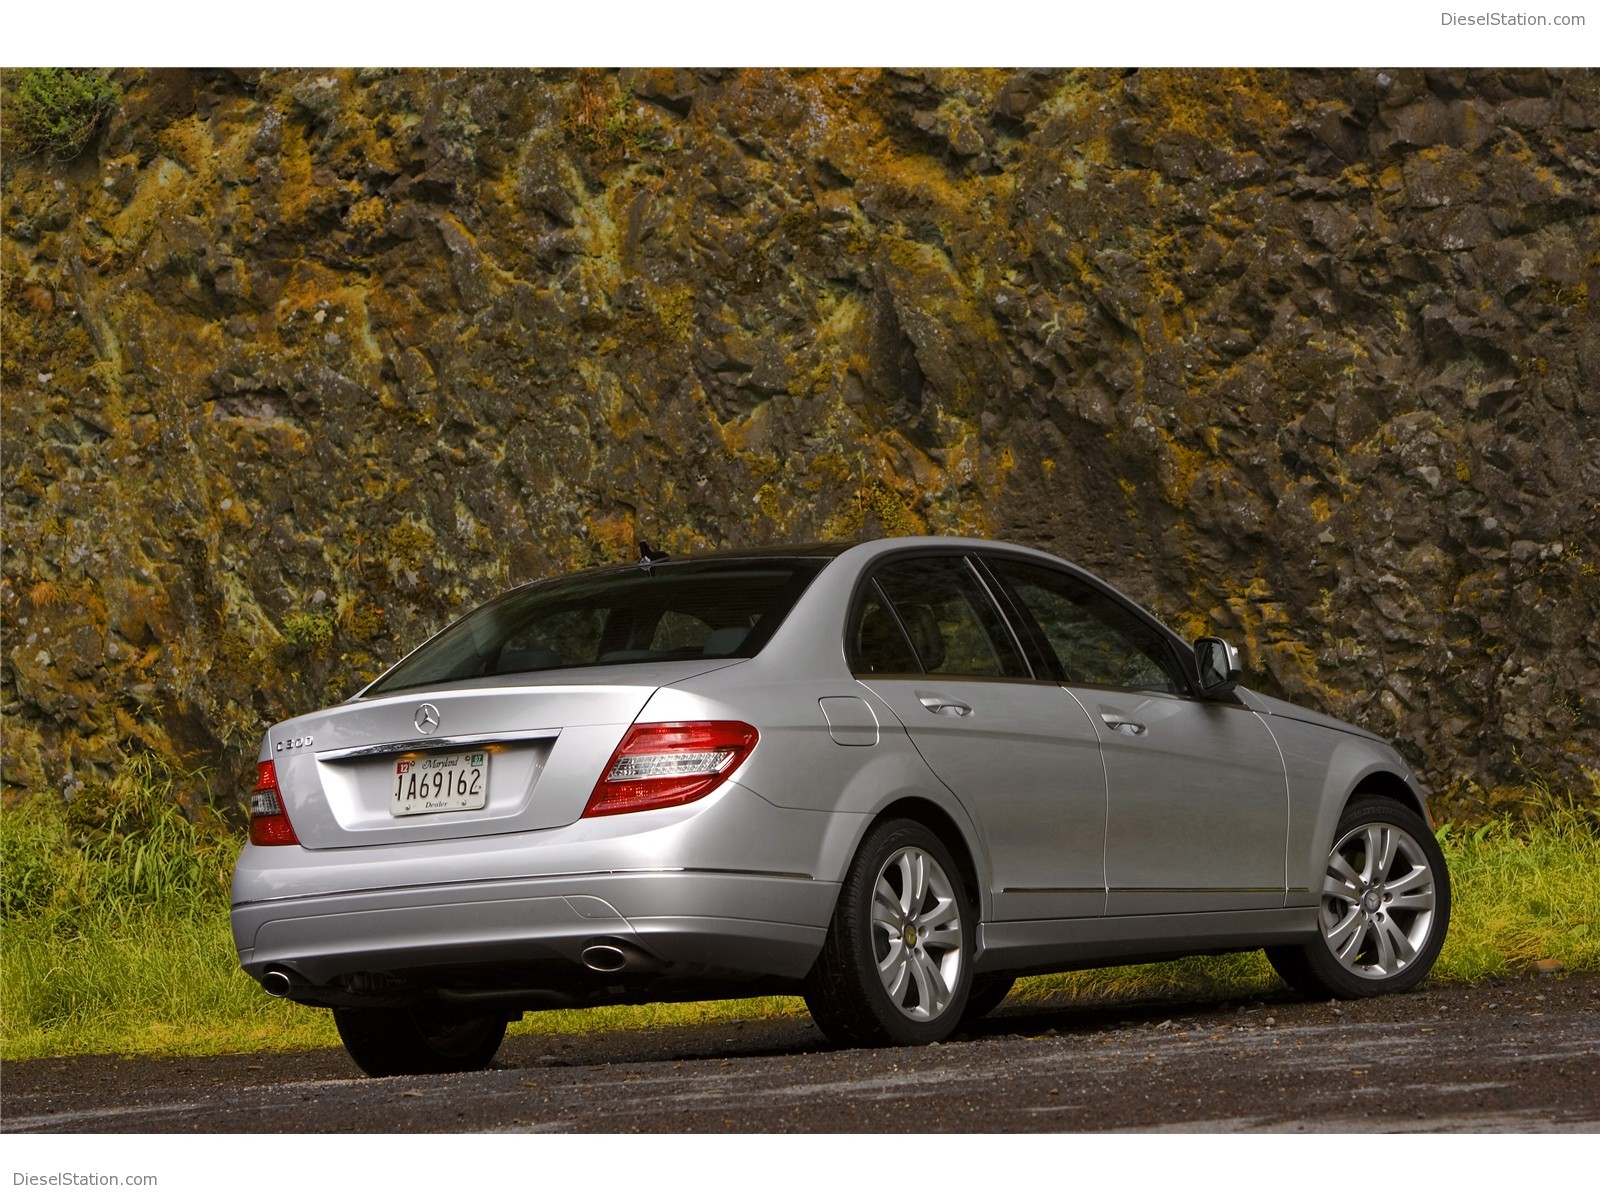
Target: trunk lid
(460,759)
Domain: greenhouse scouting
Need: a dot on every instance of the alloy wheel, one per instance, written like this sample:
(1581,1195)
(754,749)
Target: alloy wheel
(1378,901)
(916,933)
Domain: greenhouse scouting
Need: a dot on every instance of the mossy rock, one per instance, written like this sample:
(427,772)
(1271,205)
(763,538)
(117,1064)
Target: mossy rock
(56,111)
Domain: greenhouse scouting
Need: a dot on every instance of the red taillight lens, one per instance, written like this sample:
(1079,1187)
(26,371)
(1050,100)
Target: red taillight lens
(660,765)
(269,823)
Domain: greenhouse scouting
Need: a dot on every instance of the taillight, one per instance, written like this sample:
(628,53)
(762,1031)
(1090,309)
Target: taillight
(660,765)
(269,823)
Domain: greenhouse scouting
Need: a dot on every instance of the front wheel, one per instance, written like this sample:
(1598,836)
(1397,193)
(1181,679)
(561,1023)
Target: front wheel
(897,964)
(418,1040)
(1384,910)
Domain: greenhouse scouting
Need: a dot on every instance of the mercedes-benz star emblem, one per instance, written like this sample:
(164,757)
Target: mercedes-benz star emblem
(427,719)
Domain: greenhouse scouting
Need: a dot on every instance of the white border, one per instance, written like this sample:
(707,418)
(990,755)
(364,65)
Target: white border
(524,33)
(778,1167)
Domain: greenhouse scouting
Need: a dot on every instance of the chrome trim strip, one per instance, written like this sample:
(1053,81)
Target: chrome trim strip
(448,883)
(385,749)
(1132,891)
(1266,891)
(1075,891)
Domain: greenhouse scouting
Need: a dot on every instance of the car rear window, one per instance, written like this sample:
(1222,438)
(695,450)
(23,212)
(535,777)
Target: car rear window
(671,612)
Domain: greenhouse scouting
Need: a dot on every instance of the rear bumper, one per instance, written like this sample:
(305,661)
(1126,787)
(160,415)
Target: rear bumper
(709,923)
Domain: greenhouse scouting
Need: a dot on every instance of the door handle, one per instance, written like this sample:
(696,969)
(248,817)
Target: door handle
(944,705)
(1121,723)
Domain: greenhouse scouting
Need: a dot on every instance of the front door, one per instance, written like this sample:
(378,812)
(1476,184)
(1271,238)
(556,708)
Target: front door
(1197,799)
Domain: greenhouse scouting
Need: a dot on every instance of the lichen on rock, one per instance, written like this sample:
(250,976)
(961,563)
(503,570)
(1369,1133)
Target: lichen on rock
(297,365)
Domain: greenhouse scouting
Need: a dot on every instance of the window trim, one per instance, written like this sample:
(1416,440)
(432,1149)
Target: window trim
(1180,657)
(887,606)
(868,580)
(804,569)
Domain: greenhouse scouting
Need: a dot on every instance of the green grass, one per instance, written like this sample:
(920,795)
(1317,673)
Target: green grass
(159,987)
(115,935)
(1526,889)
(55,111)
(116,941)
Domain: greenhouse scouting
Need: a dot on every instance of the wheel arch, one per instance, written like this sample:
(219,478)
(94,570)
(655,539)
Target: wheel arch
(926,812)
(1387,783)
(1326,770)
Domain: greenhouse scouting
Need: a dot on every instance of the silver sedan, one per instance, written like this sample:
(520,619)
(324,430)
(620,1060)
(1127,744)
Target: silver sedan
(890,777)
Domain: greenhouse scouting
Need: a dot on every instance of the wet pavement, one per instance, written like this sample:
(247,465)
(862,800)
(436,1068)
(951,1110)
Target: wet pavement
(1519,1055)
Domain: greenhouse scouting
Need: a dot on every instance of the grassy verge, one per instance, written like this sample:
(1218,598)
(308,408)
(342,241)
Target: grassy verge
(116,941)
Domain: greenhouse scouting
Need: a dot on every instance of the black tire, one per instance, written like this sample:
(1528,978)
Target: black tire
(418,1041)
(1380,924)
(986,994)
(874,986)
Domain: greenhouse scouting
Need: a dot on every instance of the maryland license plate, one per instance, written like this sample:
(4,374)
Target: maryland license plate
(443,783)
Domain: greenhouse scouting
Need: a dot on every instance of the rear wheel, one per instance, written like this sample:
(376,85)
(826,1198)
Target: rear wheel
(897,964)
(1384,910)
(418,1040)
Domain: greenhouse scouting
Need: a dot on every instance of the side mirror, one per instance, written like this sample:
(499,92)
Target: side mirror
(1219,666)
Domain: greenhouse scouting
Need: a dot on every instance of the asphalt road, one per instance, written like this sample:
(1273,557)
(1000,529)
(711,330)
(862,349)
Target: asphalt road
(1516,1056)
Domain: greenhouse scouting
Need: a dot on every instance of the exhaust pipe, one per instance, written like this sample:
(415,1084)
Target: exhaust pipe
(277,983)
(610,957)
(605,958)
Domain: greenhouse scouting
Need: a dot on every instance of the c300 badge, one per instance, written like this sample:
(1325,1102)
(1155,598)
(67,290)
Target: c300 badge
(294,743)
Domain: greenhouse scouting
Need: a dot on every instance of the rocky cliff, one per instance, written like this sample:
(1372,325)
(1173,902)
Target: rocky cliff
(297,365)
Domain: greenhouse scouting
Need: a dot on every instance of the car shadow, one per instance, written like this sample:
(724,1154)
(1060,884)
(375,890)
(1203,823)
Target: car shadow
(784,1036)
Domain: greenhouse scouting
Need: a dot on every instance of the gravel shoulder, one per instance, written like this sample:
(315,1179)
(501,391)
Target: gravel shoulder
(1520,1055)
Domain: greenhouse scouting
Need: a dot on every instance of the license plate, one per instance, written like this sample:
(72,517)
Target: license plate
(443,783)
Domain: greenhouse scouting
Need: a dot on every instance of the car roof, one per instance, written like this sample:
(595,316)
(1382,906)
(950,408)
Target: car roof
(826,551)
(837,548)
(830,550)
(806,550)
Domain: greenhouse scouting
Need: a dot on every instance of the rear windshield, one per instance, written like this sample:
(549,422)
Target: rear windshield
(672,612)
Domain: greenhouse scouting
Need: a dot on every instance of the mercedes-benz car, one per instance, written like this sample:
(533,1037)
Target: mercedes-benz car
(890,777)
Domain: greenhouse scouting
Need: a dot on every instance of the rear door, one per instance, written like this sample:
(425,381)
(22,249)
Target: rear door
(1198,801)
(1019,752)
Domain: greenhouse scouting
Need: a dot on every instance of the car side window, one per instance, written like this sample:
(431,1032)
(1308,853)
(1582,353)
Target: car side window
(1095,640)
(877,644)
(941,607)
